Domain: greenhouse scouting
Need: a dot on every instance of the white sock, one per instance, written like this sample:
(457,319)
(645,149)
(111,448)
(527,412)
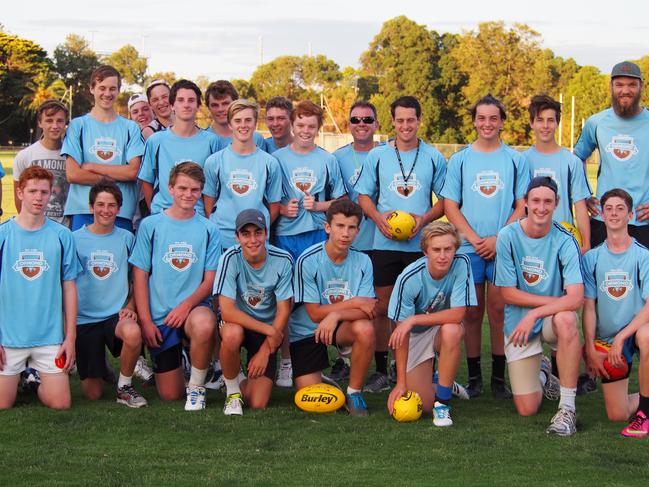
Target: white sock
(197,377)
(232,386)
(124,381)
(352,391)
(567,400)
(543,377)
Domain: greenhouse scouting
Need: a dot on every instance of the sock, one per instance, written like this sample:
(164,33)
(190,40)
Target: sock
(498,367)
(473,364)
(555,367)
(567,400)
(232,386)
(644,404)
(381,359)
(352,391)
(197,377)
(217,365)
(124,381)
(543,377)
(443,394)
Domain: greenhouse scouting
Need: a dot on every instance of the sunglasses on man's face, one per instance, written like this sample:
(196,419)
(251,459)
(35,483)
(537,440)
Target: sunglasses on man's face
(357,120)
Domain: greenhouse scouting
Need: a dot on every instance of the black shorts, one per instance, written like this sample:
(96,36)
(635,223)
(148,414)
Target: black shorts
(252,342)
(90,346)
(307,356)
(169,359)
(388,264)
(598,233)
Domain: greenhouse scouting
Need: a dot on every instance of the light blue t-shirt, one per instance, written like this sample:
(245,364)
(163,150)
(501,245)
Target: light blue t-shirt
(567,171)
(417,293)
(319,280)
(176,254)
(486,186)
(102,286)
(163,151)
(114,143)
(624,154)
(619,284)
(256,291)
(33,266)
(226,141)
(239,182)
(410,190)
(271,146)
(351,162)
(2,171)
(542,266)
(317,173)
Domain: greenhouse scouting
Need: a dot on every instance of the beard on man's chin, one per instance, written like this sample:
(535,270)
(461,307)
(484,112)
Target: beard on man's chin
(626,111)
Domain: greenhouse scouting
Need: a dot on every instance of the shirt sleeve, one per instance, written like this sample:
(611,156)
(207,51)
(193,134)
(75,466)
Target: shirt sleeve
(580,187)
(366,288)
(590,285)
(214,250)
(505,265)
(643,262)
(570,258)
(366,183)
(463,292)
(225,283)
(440,173)
(306,287)
(20,163)
(522,176)
(402,299)
(274,183)
(587,140)
(284,287)
(337,186)
(143,249)
(69,260)
(72,142)
(135,145)
(211,177)
(148,168)
(452,188)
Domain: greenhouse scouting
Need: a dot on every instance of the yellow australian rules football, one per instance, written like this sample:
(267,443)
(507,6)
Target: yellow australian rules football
(575,232)
(319,398)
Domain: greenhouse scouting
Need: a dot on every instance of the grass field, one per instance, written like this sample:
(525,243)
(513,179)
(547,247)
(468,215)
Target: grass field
(106,444)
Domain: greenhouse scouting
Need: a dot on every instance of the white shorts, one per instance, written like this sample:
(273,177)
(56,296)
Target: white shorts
(535,345)
(421,347)
(39,358)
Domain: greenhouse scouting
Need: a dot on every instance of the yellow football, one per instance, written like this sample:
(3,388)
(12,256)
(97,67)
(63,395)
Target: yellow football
(319,398)
(575,232)
(408,408)
(402,224)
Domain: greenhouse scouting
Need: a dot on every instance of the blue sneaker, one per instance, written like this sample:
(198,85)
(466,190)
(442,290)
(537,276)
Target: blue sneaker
(356,405)
(442,415)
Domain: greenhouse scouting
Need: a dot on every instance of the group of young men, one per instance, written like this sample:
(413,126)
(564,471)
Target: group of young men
(277,244)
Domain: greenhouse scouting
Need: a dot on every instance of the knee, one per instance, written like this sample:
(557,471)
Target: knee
(92,394)
(451,334)
(131,335)
(169,395)
(258,403)
(565,324)
(203,330)
(60,403)
(526,409)
(364,332)
(231,336)
(642,338)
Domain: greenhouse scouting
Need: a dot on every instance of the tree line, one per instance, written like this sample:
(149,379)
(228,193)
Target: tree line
(446,72)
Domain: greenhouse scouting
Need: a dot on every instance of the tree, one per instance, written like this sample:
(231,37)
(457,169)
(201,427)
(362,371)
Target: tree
(169,76)
(129,63)
(245,89)
(591,92)
(74,61)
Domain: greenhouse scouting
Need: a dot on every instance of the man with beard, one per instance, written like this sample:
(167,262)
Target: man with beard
(619,133)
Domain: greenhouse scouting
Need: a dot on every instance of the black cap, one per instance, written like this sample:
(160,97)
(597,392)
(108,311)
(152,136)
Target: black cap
(626,68)
(540,181)
(248,217)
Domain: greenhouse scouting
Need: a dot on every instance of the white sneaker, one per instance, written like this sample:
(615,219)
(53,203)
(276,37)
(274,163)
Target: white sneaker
(563,423)
(128,396)
(233,405)
(195,398)
(142,370)
(442,415)
(285,375)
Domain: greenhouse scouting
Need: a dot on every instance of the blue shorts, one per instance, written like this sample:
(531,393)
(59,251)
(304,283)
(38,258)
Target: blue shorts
(78,221)
(174,336)
(296,244)
(483,270)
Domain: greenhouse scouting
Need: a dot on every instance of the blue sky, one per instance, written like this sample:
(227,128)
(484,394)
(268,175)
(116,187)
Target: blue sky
(222,39)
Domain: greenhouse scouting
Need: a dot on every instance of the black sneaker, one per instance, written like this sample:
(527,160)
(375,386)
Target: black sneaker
(339,370)
(474,387)
(586,384)
(499,389)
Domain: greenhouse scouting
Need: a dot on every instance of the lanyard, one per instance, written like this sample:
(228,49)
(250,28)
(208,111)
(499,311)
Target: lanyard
(406,190)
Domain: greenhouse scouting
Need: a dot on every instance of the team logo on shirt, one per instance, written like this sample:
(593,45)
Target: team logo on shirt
(105,149)
(303,179)
(487,183)
(337,291)
(622,147)
(102,264)
(546,172)
(180,256)
(533,271)
(402,188)
(241,182)
(436,304)
(31,264)
(616,284)
(254,295)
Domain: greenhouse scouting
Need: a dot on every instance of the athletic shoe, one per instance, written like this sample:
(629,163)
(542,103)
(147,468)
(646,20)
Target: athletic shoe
(284,375)
(195,398)
(331,382)
(563,423)
(339,370)
(499,389)
(233,405)
(474,387)
(442,415)
(29,380)
(128,396)
(377,382)
(356,405)
(586,384)
(638,427)
(552,388)
(186,364)
(458,390)
(144,372)
(215,379)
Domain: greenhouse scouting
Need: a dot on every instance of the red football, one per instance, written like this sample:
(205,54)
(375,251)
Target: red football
(60,361)
(613,372)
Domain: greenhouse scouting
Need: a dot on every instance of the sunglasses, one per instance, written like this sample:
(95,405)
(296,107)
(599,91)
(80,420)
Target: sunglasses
(357,120)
